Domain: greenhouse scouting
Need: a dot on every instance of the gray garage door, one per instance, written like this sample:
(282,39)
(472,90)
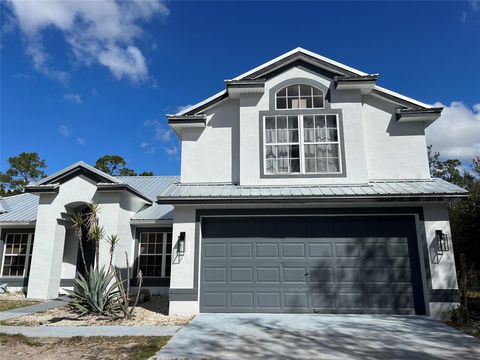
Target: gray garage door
(305,273)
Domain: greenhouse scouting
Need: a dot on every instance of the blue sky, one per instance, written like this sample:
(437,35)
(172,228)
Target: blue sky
(88,80)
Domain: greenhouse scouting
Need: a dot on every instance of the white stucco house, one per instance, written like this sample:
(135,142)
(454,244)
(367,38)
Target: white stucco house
(304,187)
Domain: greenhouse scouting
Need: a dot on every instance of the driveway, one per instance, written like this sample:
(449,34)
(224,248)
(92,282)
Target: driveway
(310,336)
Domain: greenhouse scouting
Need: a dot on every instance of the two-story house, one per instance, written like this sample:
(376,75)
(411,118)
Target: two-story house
(304,187)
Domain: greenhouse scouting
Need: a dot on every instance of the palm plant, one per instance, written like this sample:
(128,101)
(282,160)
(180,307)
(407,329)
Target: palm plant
(113,241)
(92,215)
(77,222)
(96,234)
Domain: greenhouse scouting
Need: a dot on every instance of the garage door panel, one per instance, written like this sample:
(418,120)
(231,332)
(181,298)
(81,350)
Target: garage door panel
(295,300)
(267,250)
(320,250)
(293,250)
(270,300)
(215,274)
(241,274)
(268,275)
(241,250)
(365,273)
(241,299)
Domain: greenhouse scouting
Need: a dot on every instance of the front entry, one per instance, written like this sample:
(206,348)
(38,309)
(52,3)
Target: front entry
(342,264)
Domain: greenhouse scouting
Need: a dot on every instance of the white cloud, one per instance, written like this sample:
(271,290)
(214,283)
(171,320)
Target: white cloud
(22,76)
(162,133)
(64,131)
(97,32)
(76,98)
(147,147)
(456,134)
(172,151)
(80,140)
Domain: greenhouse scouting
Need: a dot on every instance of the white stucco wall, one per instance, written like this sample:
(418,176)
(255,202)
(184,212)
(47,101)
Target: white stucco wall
(375,145)
(442,267)
(208,156)
(55,251)
(394,150)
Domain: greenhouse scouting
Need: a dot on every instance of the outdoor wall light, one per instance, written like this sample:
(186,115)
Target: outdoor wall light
(181,243)
(442,241)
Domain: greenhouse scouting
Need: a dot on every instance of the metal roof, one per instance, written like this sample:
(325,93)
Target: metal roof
(22,208)
(375,189)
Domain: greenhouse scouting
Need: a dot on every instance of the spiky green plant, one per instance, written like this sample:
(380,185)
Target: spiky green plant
(96,293)
(77,222)
(96,234)
(92,215)
(113,241)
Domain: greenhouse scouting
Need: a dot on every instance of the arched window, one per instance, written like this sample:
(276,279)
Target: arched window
(299,96)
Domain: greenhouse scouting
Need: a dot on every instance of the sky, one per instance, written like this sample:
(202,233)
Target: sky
(80,80)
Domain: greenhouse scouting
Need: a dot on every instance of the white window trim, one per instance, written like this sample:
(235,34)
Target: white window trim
(164,254)
(306,108)
(301,138)
(28,255)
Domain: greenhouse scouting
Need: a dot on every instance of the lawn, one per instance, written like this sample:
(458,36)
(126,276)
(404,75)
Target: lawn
(75,348)
(14,304)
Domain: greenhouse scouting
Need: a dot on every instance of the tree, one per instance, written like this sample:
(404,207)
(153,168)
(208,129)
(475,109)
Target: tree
(464,215)
(24,169)
(116,165)
(113,165)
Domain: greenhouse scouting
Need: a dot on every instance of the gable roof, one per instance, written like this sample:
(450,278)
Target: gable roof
(300,54)
(78,168)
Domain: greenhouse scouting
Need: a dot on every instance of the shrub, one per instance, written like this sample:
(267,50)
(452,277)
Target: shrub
(96,293)
(458,314)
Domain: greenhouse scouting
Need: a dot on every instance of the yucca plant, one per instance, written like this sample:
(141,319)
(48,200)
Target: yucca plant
(77,222)
(96,234)
(96,293)
(112,241)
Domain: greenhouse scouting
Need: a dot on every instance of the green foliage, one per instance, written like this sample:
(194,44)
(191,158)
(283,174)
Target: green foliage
(114,165)
(458,314)
(24,168)
(464,215)
(96,293)
(77,222)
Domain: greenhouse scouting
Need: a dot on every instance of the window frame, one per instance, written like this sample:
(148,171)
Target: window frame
(286,97)
(164,254)
(28,255)
(301,143)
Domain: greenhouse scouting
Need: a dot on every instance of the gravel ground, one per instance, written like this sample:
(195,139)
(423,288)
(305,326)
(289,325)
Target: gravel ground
(13,296)
(151,313)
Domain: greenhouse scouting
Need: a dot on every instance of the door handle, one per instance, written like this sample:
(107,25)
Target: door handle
(306,274)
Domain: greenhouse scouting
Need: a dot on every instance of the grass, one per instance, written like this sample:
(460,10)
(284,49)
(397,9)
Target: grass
(96,347)
(6,305)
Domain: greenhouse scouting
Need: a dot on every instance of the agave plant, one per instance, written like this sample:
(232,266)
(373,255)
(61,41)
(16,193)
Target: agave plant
(77,222)
(96,293)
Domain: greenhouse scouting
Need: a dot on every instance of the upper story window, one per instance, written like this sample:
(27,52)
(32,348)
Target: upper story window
(302,144)
(299,96)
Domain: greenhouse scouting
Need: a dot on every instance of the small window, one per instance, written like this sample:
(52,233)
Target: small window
(17,253)
(299,96)
(155,254)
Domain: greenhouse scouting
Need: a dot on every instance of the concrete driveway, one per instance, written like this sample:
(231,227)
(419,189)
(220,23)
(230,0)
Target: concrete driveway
(339,337)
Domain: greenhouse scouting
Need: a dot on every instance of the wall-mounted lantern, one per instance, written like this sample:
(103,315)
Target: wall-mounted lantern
(181,243)
(442,241)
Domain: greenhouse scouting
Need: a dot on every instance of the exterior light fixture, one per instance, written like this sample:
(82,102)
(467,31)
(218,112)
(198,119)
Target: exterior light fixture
(181,243)
(442,241)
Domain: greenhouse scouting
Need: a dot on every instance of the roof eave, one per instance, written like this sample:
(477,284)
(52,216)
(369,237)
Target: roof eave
(310,199)
(123,187)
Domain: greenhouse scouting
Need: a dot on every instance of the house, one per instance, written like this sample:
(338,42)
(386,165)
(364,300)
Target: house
(304,187)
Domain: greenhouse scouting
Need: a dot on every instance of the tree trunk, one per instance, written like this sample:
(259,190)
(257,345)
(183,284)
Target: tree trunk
(97,255)
(82,252)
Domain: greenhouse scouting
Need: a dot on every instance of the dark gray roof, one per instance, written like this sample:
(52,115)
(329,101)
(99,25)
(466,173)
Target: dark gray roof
(21,208)
(376,189)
